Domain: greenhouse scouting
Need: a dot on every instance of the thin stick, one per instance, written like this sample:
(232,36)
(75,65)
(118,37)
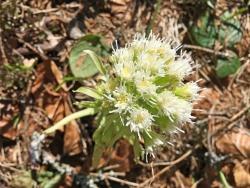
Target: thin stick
(41,55)
(230,124)
(4,57)
(122,181)
(208,50)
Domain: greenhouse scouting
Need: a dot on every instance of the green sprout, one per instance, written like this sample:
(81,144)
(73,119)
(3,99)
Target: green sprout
(142,96)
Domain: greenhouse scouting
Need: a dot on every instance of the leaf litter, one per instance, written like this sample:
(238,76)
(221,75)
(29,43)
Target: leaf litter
(29,106)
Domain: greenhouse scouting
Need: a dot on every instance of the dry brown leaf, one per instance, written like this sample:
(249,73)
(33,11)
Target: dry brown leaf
(56,107)
(58,74)
(60,111)
(40,75)
(52,108)
(72,137)
(208,97)
(234,143)
(241,176)
(7,130)
(119,2)
(121,155)
(182,180)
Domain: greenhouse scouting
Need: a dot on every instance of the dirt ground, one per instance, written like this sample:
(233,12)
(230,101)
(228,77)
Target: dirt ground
(36,85)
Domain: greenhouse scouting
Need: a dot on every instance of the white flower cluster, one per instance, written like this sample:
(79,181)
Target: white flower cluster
(147,88)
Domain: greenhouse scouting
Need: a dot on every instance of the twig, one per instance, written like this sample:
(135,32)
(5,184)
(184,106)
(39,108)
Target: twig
(122,181)
(208,50)
(9,166)
(184,156)
(231,122)
(38,11)
(5,60)
(196,183)
(110,176)
(111,167)
(42,56)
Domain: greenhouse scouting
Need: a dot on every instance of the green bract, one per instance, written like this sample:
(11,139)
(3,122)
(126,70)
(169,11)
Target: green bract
(142,96)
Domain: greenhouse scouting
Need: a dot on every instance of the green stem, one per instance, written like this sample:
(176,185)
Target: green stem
(224,180)
(69,118)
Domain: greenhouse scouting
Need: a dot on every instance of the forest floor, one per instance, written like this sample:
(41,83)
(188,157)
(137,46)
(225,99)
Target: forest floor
(36,84)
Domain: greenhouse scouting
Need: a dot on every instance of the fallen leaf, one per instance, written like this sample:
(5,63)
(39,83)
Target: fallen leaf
(58,74)
(234,143)
(121,155)
(7,130)
(208,97)
(72,137)
(52,108)
(241,176)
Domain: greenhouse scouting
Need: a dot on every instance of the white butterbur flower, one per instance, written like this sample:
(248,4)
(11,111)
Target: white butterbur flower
(122,55)
(144,83)
(181,67)
(155,46)
(152,64)
(146,94)
(193,90)
(178,110)
(142,97)
(140,119)
(125,69)
(122,100)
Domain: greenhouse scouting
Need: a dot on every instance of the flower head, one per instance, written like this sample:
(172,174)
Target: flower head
(139,119)
(146,93)
(125,69)
(144,83)
(189,91)
(178,110)
(181,67)
(122,99)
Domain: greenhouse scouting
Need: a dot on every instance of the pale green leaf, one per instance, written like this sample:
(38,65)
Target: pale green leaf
(89,91)
(96,60)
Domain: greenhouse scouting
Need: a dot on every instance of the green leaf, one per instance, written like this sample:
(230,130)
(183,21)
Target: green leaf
(165,124)
(95,60)
(97,154)
(229,32)
(52,182)
(86,64)
(87,104)
(204,32)
(89,91)
(105,136)
(109,131)
(150,138)
(226,67)
(137,148)
(167,80)
(22,179)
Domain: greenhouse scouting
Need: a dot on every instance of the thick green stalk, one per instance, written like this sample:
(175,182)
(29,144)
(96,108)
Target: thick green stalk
(69,118)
